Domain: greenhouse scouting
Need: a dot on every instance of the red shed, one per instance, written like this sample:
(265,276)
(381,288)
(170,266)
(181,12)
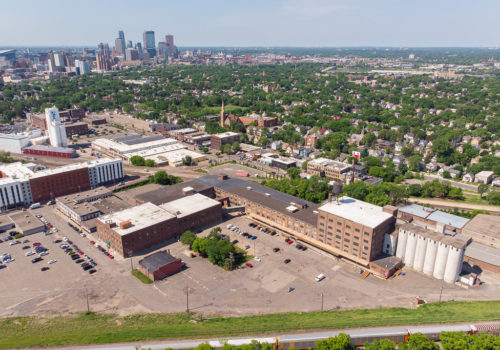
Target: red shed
(159,265)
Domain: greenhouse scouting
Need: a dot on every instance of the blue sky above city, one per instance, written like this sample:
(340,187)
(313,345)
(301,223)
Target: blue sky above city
(254,23)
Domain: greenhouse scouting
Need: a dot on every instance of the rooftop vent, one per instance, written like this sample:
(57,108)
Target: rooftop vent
(292,208)
(268,194)
(249,188)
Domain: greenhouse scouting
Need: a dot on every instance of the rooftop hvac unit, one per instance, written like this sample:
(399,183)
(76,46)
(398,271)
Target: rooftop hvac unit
(125,224)
(268,195)
(249,188)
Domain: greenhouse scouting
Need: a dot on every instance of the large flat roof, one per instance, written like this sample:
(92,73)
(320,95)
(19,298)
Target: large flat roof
(483,224)
(357,211)
(158,194)
(25,221)
(140,216)
(329,163)
(189,205)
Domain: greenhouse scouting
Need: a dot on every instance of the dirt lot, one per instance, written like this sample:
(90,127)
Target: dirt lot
(64,287)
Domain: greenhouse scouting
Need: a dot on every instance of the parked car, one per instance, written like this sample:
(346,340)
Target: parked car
(235,241)
(320,277)
(14,243)
(253,238)
(276,250)
(26,241)
(248,265)
(92,271)
(247,247)
(111,256)
(57,241)
(290,289)
(53,261)
(26,247)
(35,260)
(44,253)
(30,253)
(45,268)
(286,261)
(257,258)
(79,261)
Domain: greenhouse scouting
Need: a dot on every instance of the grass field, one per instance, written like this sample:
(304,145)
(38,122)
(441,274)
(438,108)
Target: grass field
(99,328)
(141,277)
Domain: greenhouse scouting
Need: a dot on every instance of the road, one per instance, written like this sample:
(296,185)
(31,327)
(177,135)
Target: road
(452,205)
(464,186)
(315,335)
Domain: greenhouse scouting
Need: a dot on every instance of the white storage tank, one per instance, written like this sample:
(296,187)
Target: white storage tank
(441,259)
(430,256)
(402,238)
(411,245)
(418,263)
(453,264)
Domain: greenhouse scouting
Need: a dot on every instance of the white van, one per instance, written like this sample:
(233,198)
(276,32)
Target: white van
(35,206)
(320,277)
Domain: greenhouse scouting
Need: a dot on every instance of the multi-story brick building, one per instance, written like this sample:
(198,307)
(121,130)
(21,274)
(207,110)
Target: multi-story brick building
(218,140)
(22,184)
(354,228)
(140,227)
(76,129)
(328,168)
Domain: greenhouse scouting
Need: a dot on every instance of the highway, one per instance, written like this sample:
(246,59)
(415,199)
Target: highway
(313,335)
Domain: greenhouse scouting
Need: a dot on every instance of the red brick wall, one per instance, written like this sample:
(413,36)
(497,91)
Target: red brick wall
(48,187)
(165,270)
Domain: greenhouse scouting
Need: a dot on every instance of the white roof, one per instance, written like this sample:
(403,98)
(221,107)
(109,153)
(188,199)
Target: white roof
(189,205)
(357,211)
(226,134)
(330,163)
(141,216)
(124,148)
(157,150)
(175,157)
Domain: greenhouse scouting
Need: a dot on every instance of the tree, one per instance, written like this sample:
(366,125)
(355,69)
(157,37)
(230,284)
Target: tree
(446,174)
(494,198)
(369,139)
(293,173)
(455,193)
(415,190)
(187,160)
(340,342)
(137,161)
(418,341)
(150,163)
(384,344)
(200,246)
(482,189)
(188,237)
(414,162)
(403,168)
(235,146)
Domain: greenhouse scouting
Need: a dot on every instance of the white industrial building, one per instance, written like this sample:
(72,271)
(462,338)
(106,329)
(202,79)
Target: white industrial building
(55,128)
(14,143)
(431,252)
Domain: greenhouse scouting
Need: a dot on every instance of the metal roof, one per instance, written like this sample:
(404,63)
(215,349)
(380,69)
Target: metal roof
(51,149)
(481,252)
(417,210)
(448,219)
(229,183)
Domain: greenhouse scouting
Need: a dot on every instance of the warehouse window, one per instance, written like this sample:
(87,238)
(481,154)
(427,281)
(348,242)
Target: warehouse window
(356,229)
(338,236)
(339,230)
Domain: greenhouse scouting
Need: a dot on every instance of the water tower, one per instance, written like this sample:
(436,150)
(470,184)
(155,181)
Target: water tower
(337,189)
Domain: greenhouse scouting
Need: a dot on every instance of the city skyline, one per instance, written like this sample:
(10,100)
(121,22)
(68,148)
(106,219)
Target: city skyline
(299,23)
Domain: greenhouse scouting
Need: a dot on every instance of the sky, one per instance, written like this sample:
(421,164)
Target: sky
(303,23)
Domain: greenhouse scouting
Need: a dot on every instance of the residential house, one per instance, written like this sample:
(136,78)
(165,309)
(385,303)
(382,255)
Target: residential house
(484,177)
(469,177)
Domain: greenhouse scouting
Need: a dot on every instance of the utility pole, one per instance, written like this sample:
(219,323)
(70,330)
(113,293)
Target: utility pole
(131,264)
(321,301)
(87,296)
(441,290)
(187,298)
(254,249)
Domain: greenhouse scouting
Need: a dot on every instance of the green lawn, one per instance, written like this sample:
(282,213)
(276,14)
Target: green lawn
(141,277)
(99,328)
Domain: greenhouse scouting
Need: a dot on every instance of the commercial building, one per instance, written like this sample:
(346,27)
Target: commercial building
(158,194)
(26,223)
(354,227)
(148,38)
(93,120)
(159,265)
(76,129)
(329,168)
(56,130)
(123,146)
(282,163)
(49,151)
(362,225)
(484,229)
(77,206)
(21,184)
(218,140)
(143,226)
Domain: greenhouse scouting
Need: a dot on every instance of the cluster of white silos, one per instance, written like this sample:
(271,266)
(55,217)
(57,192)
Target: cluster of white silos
(430,252)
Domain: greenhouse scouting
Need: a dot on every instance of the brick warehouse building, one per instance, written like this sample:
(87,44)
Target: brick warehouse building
(58,184)
(134,229)
(159,265)
(76,129)
(218,140)
(309,222)
(49,151)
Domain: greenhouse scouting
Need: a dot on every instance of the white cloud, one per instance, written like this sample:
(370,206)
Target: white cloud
(317,8)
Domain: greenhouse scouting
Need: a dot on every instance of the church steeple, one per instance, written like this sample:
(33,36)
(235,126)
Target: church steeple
(222,115)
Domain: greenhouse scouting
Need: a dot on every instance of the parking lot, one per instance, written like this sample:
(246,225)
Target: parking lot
(65,287)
